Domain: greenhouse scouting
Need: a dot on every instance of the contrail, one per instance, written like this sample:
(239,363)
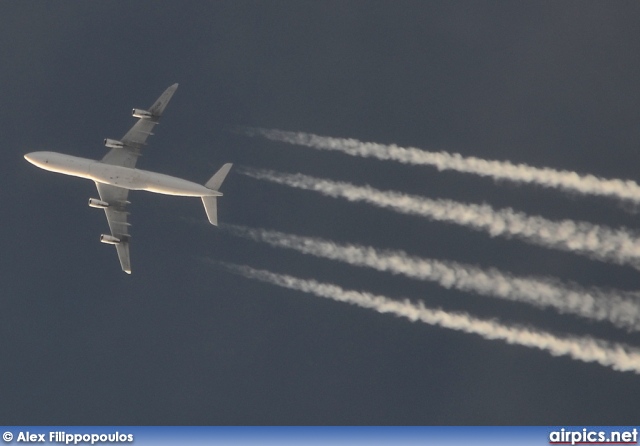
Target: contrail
(617,356)
(498,170)
(622,311)
(620,246)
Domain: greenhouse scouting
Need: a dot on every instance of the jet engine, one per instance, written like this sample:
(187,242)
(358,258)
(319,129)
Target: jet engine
(95,203)
(113,143)
(141,113)
(109,239)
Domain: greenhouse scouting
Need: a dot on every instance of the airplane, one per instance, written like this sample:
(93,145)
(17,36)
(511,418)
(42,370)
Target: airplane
(115,175)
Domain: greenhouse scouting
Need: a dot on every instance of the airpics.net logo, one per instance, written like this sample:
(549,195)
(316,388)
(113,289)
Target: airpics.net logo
(587,436)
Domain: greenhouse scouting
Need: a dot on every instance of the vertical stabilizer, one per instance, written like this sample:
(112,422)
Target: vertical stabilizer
(216,180)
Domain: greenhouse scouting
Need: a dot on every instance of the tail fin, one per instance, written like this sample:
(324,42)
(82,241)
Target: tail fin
(216,180)
(210,202)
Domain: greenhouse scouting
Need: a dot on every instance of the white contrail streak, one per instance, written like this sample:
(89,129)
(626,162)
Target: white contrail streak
(620,246)
(499,170)
(617,356)
(622,311)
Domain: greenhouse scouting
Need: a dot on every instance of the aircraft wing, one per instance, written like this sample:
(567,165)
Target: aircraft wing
(135,139)
(117,219)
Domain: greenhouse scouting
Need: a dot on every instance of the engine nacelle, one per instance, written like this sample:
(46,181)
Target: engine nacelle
(141,113)
(113,143)
(109,239)
(95,203)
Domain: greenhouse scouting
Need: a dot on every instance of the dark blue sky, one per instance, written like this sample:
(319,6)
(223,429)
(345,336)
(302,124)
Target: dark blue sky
(180,342)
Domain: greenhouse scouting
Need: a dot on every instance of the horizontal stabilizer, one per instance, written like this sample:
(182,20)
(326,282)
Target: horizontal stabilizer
(211,208)
(216,180)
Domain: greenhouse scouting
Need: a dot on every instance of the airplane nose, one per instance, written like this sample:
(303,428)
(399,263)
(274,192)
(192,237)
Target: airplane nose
(37,158)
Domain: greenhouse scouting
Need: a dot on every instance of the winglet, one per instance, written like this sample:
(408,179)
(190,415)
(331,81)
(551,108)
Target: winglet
(158,107)
(123,255)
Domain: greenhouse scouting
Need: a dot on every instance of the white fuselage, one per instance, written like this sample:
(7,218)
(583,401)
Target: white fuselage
(125,177)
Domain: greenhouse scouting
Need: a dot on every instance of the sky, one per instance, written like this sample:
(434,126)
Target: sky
(184,341)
